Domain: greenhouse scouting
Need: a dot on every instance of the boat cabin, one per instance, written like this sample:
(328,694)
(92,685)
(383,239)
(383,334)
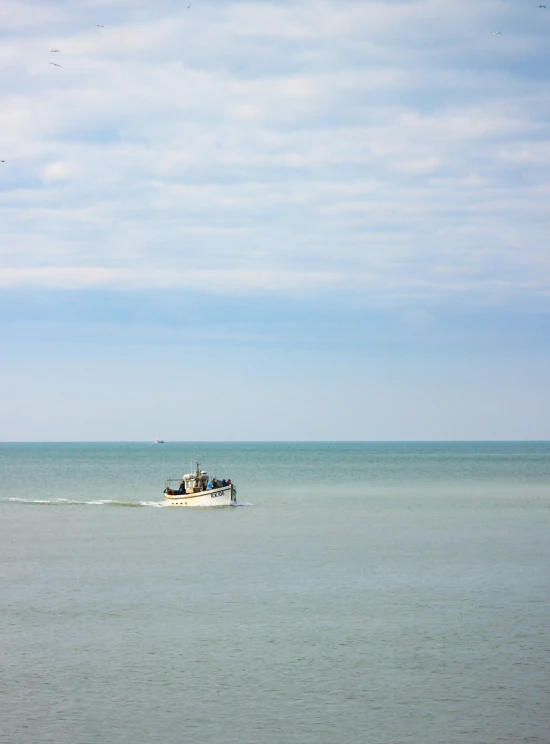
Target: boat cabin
(196,482)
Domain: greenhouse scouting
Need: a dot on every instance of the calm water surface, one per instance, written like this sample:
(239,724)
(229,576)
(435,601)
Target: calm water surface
(380,593)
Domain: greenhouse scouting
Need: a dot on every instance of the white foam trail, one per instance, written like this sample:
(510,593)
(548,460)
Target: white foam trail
(104,502)
(110,502)
(32,501)
(98,502)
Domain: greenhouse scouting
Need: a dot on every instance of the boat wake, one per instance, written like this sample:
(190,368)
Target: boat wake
(97,502)
(101,502)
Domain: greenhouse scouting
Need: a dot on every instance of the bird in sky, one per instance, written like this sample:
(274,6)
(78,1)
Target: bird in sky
(496,32)
(55,64)
(53,50)
(2,161)
(542,6)
(99,25)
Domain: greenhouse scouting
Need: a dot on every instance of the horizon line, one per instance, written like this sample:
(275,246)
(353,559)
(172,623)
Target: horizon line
(279,441)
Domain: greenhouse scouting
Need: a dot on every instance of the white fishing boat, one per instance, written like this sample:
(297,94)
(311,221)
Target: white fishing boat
(196,489)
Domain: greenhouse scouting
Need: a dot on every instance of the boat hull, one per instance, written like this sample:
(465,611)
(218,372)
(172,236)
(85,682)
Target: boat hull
(224,496)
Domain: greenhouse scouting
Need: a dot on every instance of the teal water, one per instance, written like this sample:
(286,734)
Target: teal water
(380,593)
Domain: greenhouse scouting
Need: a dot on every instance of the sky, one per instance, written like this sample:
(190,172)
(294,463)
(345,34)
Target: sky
(274,220)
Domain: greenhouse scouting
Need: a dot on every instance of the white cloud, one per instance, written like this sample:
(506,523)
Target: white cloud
(419,167)
(55,172)
(269,145)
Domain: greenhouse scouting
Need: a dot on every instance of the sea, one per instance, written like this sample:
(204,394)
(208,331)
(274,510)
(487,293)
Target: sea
(360,593)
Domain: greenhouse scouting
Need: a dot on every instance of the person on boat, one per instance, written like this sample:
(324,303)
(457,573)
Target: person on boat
(182,487)
(228,482)
(224,482)
(210,485)
(215,483)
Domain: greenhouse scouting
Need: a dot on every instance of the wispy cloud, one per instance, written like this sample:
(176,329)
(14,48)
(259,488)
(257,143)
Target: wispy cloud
(395,149)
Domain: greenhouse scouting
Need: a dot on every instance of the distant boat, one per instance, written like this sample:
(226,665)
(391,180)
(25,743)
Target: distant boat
(195,489)
(158,441)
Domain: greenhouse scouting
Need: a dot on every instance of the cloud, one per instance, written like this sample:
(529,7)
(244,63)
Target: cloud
(55,172)
(427,165)
(397,150)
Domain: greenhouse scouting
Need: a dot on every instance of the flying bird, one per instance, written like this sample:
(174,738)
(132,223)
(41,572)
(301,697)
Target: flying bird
(53,50)
(99,25)
(54,64)
(542,6)
(496,32)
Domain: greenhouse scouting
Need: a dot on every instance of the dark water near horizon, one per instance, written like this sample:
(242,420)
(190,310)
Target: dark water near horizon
(370,592)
